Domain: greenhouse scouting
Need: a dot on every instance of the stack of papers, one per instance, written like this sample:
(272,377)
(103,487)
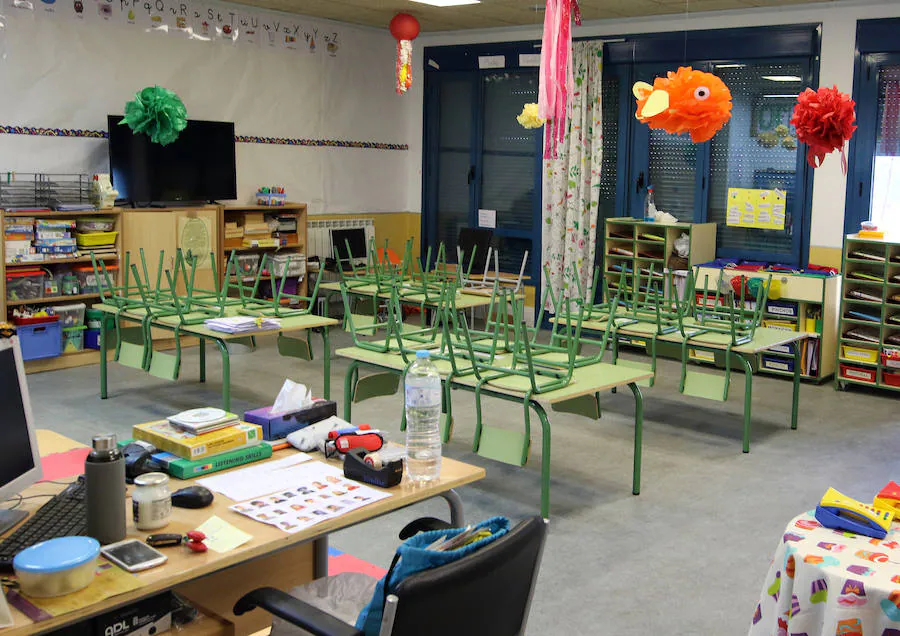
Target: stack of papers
(242,324)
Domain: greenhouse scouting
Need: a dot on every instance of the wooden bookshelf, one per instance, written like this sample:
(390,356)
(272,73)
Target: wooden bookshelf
(806,303)
(292,242)
(55,265)
(870,314)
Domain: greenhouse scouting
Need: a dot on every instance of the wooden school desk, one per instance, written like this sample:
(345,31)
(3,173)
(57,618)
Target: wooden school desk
(212,581)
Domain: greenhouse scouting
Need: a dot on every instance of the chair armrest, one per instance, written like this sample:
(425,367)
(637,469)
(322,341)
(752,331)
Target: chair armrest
(423,524)
(295,611)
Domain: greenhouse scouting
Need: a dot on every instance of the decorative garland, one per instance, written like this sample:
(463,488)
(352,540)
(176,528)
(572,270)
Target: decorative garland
(241,139)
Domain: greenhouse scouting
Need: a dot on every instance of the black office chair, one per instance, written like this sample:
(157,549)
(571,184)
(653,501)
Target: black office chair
(485,593)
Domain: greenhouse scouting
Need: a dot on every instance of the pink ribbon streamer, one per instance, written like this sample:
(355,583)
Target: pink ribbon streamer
(556,78)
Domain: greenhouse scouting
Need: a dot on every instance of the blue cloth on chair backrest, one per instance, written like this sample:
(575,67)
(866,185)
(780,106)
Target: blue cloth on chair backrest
(414,557)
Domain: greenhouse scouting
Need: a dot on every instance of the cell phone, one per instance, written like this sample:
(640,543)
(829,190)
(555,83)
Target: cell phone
(133,555)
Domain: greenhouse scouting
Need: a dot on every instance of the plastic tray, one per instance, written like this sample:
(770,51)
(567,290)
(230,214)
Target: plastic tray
(73,339)
(70,315)
(25,284)
(95,224)
(95,239)
(859,374)
(40,341)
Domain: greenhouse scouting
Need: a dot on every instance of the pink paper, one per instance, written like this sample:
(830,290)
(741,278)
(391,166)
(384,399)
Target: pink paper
(64,465)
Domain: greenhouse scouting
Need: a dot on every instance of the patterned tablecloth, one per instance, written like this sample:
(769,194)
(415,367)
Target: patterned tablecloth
(830,583)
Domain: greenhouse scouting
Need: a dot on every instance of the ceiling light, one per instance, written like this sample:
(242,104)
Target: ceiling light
(782,78)
(783,96)
(730,65)
(447,3)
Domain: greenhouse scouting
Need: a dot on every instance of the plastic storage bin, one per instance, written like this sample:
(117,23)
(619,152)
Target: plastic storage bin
(782,308)
(95,239)
(859,354)
(70,315)
(91,338)
(248,264)
(891,378)
(295,264)
(40,341)
(57,567)
(88,280)
(778,364)
(25,284)
(73,339)
(91,224)
(859,374)
(92,318)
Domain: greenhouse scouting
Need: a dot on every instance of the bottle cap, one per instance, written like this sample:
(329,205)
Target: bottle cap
(151,479)
(105,442)
(423,353)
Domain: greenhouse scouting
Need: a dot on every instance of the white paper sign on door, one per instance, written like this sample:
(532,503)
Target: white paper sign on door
(487,218)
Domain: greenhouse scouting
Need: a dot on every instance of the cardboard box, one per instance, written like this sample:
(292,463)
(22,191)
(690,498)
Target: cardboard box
(280,426)
(189,446)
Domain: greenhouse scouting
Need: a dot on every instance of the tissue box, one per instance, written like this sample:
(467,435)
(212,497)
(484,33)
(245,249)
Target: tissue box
(276,427)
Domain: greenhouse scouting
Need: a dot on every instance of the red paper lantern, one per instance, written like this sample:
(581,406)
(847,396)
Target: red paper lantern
(825,120)
(405,28)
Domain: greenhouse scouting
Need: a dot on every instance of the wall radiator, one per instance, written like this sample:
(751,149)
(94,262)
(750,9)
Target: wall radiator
(319,234)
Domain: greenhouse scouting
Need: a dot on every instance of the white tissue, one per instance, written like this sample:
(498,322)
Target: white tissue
(291,398)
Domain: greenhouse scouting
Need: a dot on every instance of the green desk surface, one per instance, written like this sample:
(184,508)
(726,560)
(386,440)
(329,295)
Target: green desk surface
(585,380)
(764,338)
(463,299)
(292,323)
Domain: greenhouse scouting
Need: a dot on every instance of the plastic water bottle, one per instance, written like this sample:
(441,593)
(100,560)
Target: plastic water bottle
(423,413)
(650,205)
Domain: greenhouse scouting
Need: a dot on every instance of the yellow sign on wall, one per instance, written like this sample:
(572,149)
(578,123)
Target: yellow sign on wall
(760,209)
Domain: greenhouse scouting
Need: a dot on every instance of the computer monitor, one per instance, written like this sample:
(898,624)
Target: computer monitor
(20,460)
(355,237)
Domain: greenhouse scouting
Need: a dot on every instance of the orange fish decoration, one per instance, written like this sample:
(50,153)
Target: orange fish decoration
(686,101)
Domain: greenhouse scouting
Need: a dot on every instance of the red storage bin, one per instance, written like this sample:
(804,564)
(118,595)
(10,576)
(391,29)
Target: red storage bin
(891,378)
(859,374)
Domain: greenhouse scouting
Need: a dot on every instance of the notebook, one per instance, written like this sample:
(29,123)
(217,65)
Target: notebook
(861,295)
(862,333)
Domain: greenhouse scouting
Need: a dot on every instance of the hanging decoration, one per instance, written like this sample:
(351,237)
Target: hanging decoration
(529,117)
(158,113)
(825,121)
(556,70)
(686,101)
(405,28)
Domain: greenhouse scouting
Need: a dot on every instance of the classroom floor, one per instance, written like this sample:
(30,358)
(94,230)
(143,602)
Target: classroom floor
(688,556)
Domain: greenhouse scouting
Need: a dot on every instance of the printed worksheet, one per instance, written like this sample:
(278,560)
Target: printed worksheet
(320,493)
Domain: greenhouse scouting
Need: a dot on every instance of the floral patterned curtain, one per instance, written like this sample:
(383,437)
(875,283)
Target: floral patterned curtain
(571,182)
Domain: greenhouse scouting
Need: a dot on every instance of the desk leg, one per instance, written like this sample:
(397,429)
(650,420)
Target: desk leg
(349,383)
(748,399)
(326,362)
(104,321)
(202,359)
(457,517)
(320,557)
(795,404)
(226,374)
(545,459)
(638,437)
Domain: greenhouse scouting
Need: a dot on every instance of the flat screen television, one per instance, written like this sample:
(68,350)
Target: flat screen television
(198,166)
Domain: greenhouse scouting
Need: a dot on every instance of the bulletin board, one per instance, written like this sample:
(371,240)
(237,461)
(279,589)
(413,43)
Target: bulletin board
(760,209)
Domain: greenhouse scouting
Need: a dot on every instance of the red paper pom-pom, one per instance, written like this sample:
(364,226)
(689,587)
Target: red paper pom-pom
(825,120)
(404,27)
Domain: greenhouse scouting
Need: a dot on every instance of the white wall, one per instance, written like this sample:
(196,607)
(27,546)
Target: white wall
(63,74)
(838,21)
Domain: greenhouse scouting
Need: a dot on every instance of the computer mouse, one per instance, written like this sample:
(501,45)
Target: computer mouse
(192,497)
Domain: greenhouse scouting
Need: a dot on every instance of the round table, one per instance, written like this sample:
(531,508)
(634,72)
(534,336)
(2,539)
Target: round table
(831,583)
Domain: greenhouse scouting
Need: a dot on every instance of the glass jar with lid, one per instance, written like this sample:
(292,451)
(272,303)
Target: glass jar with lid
(151,501)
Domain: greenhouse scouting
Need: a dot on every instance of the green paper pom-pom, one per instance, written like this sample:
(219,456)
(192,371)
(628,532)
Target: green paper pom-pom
(158,113)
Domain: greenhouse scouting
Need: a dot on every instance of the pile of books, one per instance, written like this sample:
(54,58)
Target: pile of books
(202,441)
(233,230)
(18,236)
(55,237)
(257,232)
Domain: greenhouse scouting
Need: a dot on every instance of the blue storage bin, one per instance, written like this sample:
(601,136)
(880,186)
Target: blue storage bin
(40,341)
(782,308)
(92,339)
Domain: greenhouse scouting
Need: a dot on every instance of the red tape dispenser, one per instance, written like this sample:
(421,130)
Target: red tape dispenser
(343,441)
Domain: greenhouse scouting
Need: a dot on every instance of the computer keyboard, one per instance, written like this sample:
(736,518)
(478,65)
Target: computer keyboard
(63,516)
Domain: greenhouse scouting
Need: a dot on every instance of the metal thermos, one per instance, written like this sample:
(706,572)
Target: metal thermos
(104,475)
